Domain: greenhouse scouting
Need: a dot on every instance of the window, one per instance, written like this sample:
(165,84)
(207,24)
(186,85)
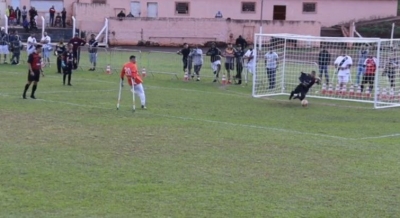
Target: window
(99,1)
(181,7)
(248,7)
(309,7)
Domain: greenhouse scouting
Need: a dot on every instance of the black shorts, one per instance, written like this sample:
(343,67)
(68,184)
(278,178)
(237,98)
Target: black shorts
(35,77)
(301,89)
(229,66)
(368,79)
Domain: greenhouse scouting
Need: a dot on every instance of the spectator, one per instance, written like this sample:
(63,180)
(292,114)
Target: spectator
(18,14)
(76,43)
(4,41)
(52,12)
(121,15)
(271,63)
(24,14)
(16,46)
(229,55)
(343,64)
(58,20)
(324,59)
(63,17)
(242,42)
(185,51)
(239,53)
(130,15)
(13,17)
(390,70)
(46,42)
(218,15)
(249,57)
(363,54)
(59,52)
(31,43)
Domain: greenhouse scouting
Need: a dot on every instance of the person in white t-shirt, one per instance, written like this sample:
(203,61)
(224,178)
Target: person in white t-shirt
(343,64)
(271,64)
(30,47)
(250,60)
(46,42)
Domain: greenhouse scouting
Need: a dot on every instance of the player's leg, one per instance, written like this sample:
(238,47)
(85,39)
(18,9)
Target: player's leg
(371,81)
(214,67)
(296,91)
(197,69)
(189,67)
(184,61)
(140,92)
(58,65)
(269,75)
(228,72)
(340,80)
(34,87)
(17,57)
(28,83)
(94,61)
(302,94)
(69,76)
(218,68)
(239,70)
(273,74)
(391,75)
(65,73)
(321,70)
(365,80)
(326,73)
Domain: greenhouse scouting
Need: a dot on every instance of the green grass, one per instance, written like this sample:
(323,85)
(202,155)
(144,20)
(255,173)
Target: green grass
(200,150)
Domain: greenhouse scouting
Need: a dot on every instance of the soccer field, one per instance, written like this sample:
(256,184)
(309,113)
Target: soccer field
(200,150)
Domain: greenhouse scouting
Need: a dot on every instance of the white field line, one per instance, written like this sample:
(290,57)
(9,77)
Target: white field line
(217,122)
(231,93)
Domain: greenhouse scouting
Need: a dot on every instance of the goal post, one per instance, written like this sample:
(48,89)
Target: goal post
(280,58)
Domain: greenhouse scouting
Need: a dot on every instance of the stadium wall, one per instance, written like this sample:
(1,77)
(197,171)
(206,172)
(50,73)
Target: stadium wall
(175,31)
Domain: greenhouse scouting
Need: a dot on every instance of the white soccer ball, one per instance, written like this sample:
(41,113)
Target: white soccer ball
(304,103)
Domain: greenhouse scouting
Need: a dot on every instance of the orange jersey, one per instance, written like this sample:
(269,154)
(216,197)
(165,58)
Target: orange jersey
(130,71)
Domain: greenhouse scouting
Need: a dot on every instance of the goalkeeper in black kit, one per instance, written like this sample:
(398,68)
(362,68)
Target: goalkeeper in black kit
(306,82)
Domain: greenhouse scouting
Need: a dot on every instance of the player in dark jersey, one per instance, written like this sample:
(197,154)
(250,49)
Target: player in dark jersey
(185,51)
(239,64)
(68,63)
(77,43)
(215,58)
(306,82)
(59,51)
(34,71)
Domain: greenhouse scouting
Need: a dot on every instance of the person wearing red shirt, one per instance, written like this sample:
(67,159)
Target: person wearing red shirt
(130,71)
(369,73)
(77,43)
(34,71)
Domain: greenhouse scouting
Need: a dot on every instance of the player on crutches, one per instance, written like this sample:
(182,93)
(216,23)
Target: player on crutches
(130,71)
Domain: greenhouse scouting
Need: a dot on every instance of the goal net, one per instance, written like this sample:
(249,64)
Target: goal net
(280,58)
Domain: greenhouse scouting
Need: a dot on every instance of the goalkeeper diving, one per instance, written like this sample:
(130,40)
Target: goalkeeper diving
(306,82)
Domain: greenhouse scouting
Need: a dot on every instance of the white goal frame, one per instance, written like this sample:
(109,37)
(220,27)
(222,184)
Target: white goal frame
(378,45)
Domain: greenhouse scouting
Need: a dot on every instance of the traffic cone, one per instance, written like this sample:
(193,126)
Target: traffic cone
(144,72)
(337,90)
(351,91)
(186,76)
(330,89)
(323,91)
(108,69)
(223,80)
(358,93)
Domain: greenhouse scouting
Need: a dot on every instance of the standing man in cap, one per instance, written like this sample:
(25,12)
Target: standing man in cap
(93,44)
(4,41)
(76,48)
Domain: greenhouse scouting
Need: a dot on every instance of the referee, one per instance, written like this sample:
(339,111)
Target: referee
(34,71)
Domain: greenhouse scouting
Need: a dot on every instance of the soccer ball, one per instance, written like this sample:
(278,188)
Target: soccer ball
(304,103)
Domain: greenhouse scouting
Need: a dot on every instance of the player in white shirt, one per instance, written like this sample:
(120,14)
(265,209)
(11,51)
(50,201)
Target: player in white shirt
(271,64)
(343,64)
(30,47)
(46,40)
(250,59)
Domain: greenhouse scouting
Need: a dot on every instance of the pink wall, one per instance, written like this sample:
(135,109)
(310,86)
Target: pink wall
(175,31)
(329,12)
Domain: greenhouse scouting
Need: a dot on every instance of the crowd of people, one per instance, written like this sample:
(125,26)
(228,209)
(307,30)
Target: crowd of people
(28,18)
